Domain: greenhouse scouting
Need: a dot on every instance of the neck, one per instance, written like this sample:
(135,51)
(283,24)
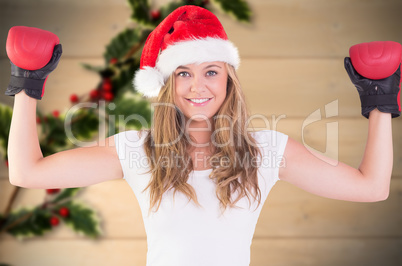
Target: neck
(201,132)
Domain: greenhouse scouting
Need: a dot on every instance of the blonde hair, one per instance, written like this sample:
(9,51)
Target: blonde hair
(235,176)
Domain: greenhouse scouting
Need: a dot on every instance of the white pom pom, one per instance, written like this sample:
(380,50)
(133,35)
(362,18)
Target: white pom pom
(148,81)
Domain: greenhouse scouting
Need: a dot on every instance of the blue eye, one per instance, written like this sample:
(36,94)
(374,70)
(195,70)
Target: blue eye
(183,74)
(211,73)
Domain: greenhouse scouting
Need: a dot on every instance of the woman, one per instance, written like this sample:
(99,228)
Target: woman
(204,180)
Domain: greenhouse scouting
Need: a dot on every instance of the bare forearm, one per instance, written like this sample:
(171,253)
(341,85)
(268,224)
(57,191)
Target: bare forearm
(23,145)
(377,161)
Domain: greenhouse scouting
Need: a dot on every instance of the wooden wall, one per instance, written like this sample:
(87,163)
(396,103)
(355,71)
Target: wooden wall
(292,64)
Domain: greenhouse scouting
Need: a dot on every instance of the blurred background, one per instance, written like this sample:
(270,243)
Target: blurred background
(292,65)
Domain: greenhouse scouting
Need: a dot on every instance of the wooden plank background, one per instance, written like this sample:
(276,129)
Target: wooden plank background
(292,64)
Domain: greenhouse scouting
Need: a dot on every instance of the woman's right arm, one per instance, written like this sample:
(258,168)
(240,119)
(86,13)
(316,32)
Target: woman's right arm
(77,167)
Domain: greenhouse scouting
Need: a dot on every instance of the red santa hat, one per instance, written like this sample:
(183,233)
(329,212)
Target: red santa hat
(188,35)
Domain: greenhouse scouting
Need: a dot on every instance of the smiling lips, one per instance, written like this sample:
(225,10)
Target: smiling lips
(199,101)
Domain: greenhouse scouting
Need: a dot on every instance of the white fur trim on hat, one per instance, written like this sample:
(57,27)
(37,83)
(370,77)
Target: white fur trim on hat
(196,52)
(149,81)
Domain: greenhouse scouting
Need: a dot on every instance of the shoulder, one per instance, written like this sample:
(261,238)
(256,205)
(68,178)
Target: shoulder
(131,136)
(268,137)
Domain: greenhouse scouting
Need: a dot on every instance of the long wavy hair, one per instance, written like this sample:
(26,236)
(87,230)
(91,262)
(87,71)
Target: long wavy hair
(232,171)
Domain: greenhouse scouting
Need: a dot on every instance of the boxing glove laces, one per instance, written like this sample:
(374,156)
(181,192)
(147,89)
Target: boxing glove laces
(34,53)
(375,70)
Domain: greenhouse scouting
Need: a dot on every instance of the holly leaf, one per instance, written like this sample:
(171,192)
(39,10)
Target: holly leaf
(54,138)
(238,8)
(65,194)
(6,112)
(135,110)
(125,41)
(82,219)
(84,124)
(169,8)
(26,222)
(89,67)
(140,11)
(123,82)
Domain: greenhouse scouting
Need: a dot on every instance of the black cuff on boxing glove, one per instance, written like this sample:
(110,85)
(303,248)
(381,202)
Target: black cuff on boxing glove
(32,81)
(381,93)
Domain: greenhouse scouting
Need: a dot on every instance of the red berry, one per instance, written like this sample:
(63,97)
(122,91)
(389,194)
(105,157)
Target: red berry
(52,190)
(94,94)
(108,96)
(54,221)
(56,113)
(73,98)
(64,211)
(6,163)
(107,85)
(38,120)
(113,61)
(155,14)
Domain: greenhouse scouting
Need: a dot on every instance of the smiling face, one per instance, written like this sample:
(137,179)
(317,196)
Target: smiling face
(200,89)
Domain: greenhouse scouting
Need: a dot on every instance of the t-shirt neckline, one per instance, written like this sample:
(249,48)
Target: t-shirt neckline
(202,171)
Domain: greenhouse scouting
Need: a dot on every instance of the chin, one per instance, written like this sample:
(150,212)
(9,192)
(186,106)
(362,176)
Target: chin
(199,117)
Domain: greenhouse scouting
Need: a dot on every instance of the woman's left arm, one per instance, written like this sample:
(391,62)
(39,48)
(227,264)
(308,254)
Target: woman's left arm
(326,177)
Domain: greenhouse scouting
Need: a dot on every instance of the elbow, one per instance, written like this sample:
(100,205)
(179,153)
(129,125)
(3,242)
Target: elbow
(379,194)
(15,181)
(383,196)
(16,178)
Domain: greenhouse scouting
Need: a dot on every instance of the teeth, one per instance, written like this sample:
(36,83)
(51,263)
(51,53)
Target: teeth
(199,100)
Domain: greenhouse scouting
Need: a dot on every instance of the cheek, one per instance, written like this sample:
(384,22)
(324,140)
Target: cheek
(222,89)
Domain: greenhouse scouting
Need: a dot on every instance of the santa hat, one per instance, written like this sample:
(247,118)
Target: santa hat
(188,35)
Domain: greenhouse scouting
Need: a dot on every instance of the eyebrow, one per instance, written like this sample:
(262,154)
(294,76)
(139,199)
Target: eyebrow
(204,67)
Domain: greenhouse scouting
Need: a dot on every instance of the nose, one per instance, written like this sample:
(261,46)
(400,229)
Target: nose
(197,84)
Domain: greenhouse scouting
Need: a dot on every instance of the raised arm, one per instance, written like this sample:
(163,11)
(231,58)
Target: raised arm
(34,54)
(328,178)
(77,167)
(375,70)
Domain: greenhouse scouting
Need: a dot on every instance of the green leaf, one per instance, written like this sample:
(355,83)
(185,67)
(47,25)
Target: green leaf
(132,112)
(55,136)
(169,8)
(6,113)
(65,194)
(124,42)
(238,8)
(84,124)
(140,11)
(82,219)
(123,82)
(89,67)
(28,222)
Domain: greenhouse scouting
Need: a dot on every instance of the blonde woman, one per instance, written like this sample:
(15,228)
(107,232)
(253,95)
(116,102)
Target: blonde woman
(200,175)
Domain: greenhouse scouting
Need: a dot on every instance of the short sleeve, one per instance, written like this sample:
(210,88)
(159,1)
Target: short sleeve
(135,164)
(272,145)
(129,148)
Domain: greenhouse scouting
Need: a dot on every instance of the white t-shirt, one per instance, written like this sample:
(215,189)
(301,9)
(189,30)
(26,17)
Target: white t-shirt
(182,234)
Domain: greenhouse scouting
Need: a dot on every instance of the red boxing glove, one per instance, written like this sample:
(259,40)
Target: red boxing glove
(34,53)
(375,70)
